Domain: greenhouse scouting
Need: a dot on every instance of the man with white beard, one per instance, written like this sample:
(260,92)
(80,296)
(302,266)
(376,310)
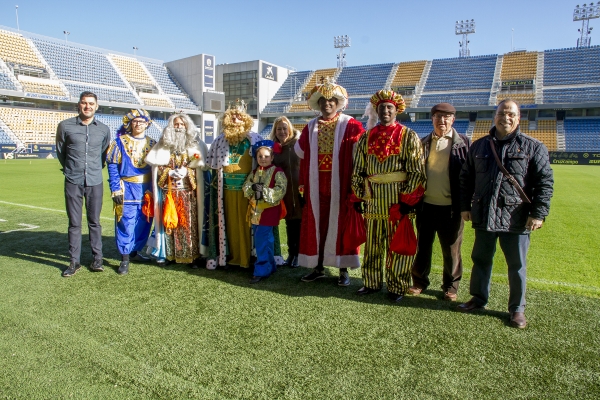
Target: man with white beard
(177,162)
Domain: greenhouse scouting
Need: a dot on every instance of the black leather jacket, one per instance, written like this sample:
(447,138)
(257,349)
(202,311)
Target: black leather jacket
(458,155)
(494,203)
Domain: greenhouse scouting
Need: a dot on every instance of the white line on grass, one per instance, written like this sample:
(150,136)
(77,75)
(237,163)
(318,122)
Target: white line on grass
(27,228)
(45,209)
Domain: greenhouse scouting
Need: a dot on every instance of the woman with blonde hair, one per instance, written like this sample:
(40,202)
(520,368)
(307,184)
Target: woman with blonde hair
(283,133)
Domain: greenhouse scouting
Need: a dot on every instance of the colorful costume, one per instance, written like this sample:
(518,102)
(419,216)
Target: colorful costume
(325,148)
(130,177)
(264,214)
(389,169)
(183,243)
(229,231)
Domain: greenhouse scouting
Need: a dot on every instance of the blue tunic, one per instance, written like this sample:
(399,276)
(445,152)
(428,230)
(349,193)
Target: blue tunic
(127,171)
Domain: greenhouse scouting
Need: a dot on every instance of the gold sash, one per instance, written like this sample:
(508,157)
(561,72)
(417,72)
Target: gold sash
(390,177)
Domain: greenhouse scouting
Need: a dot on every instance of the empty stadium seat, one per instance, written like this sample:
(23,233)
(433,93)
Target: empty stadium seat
(464,73)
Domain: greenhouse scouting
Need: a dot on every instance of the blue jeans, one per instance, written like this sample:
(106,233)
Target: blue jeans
(514,246)
(264,242)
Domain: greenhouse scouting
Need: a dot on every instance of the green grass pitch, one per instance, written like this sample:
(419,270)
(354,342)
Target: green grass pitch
(180,333)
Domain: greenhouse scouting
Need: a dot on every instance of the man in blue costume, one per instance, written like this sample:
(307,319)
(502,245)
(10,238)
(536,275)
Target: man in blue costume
(130,180)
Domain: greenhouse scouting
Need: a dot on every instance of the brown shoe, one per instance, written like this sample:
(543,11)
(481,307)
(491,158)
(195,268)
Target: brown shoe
(449,296)
(469,306)
(517,320)
(415,290)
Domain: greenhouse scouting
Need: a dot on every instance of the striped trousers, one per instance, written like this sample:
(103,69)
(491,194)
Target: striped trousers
(378,257)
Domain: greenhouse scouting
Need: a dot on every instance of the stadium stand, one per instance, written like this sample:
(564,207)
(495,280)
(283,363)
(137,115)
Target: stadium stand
(582,134)
(276,108)
(364,79)
(155,101)
(183,102)
(482,128)
(293,84)
(358,103)
(79,65)
(164,79)
(522,98)
(104,93)
(519,65)
(456,99)
(573,66)
(4,138)
(544,131)
(408,74)
(132,70)
(15,49)
(49,87)
(6,82)
(299,107)
(572,95)
(266,131)
(467,73)
(33,126)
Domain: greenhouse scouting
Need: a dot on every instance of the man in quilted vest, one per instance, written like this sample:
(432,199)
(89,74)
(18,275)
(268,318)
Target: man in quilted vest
(503,211)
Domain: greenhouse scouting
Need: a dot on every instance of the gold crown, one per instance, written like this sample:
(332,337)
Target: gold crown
(240,106)
(388,96)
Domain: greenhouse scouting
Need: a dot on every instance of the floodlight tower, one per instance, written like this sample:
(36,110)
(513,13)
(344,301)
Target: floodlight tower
(464,28)
(584,14)
(341,42)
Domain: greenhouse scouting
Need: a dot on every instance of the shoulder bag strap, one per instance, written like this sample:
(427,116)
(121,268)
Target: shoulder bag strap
(508,176)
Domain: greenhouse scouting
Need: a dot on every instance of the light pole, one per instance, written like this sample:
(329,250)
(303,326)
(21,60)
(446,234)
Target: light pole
(584,14)
(135,49)
(464,28)
(67,33)
(17,13)
(341,42)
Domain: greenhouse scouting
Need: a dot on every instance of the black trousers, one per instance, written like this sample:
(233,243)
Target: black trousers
(292,228)
(74,195)
(432,219)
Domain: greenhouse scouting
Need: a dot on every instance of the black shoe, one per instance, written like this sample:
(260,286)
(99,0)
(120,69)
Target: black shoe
(256,279)
(123,268)
(70,271)
(395,297)
(96,266)
(344,279)
(294,262)
(288,261)
(313,276)
(139,257)
(365,290)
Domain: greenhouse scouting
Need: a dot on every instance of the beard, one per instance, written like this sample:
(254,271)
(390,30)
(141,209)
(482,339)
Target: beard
(234,134)
(176,139)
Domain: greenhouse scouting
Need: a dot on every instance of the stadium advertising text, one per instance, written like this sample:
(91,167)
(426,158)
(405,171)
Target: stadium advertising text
(574,158)
(209,131)
(517,83)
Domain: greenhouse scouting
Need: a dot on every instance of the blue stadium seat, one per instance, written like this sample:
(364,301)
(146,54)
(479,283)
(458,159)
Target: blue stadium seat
(364,79)
(6,82)
(572,66)
(291,85)
(456,99)
(582,134)
(465,73)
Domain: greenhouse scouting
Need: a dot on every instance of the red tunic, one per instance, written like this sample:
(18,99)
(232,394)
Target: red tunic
(315,248)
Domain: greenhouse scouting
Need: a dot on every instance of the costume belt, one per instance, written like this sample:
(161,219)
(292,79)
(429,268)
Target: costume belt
(137,178)
(233,181)
(390,177)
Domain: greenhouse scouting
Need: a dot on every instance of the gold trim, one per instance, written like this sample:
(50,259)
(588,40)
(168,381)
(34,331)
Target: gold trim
(137,178)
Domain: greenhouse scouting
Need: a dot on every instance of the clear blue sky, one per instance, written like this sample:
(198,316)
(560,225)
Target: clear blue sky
(300,33)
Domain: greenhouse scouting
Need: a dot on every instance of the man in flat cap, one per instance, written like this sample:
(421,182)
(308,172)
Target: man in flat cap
(325,150)
(388,173)
(445,151)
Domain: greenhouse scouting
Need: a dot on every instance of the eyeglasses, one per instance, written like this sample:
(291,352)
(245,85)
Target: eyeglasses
(447,117)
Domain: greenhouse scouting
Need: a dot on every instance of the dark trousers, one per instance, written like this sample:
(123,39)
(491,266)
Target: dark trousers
(514,246)
(292,228)
(434,219)
(74,195)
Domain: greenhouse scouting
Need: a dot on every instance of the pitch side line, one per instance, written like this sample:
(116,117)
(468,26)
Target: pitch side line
(45,209)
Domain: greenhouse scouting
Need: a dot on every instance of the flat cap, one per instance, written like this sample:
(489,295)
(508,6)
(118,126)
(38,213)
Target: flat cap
(443,107)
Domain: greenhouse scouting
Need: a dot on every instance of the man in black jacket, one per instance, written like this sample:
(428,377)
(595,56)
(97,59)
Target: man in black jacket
(445,151)
(499,211)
